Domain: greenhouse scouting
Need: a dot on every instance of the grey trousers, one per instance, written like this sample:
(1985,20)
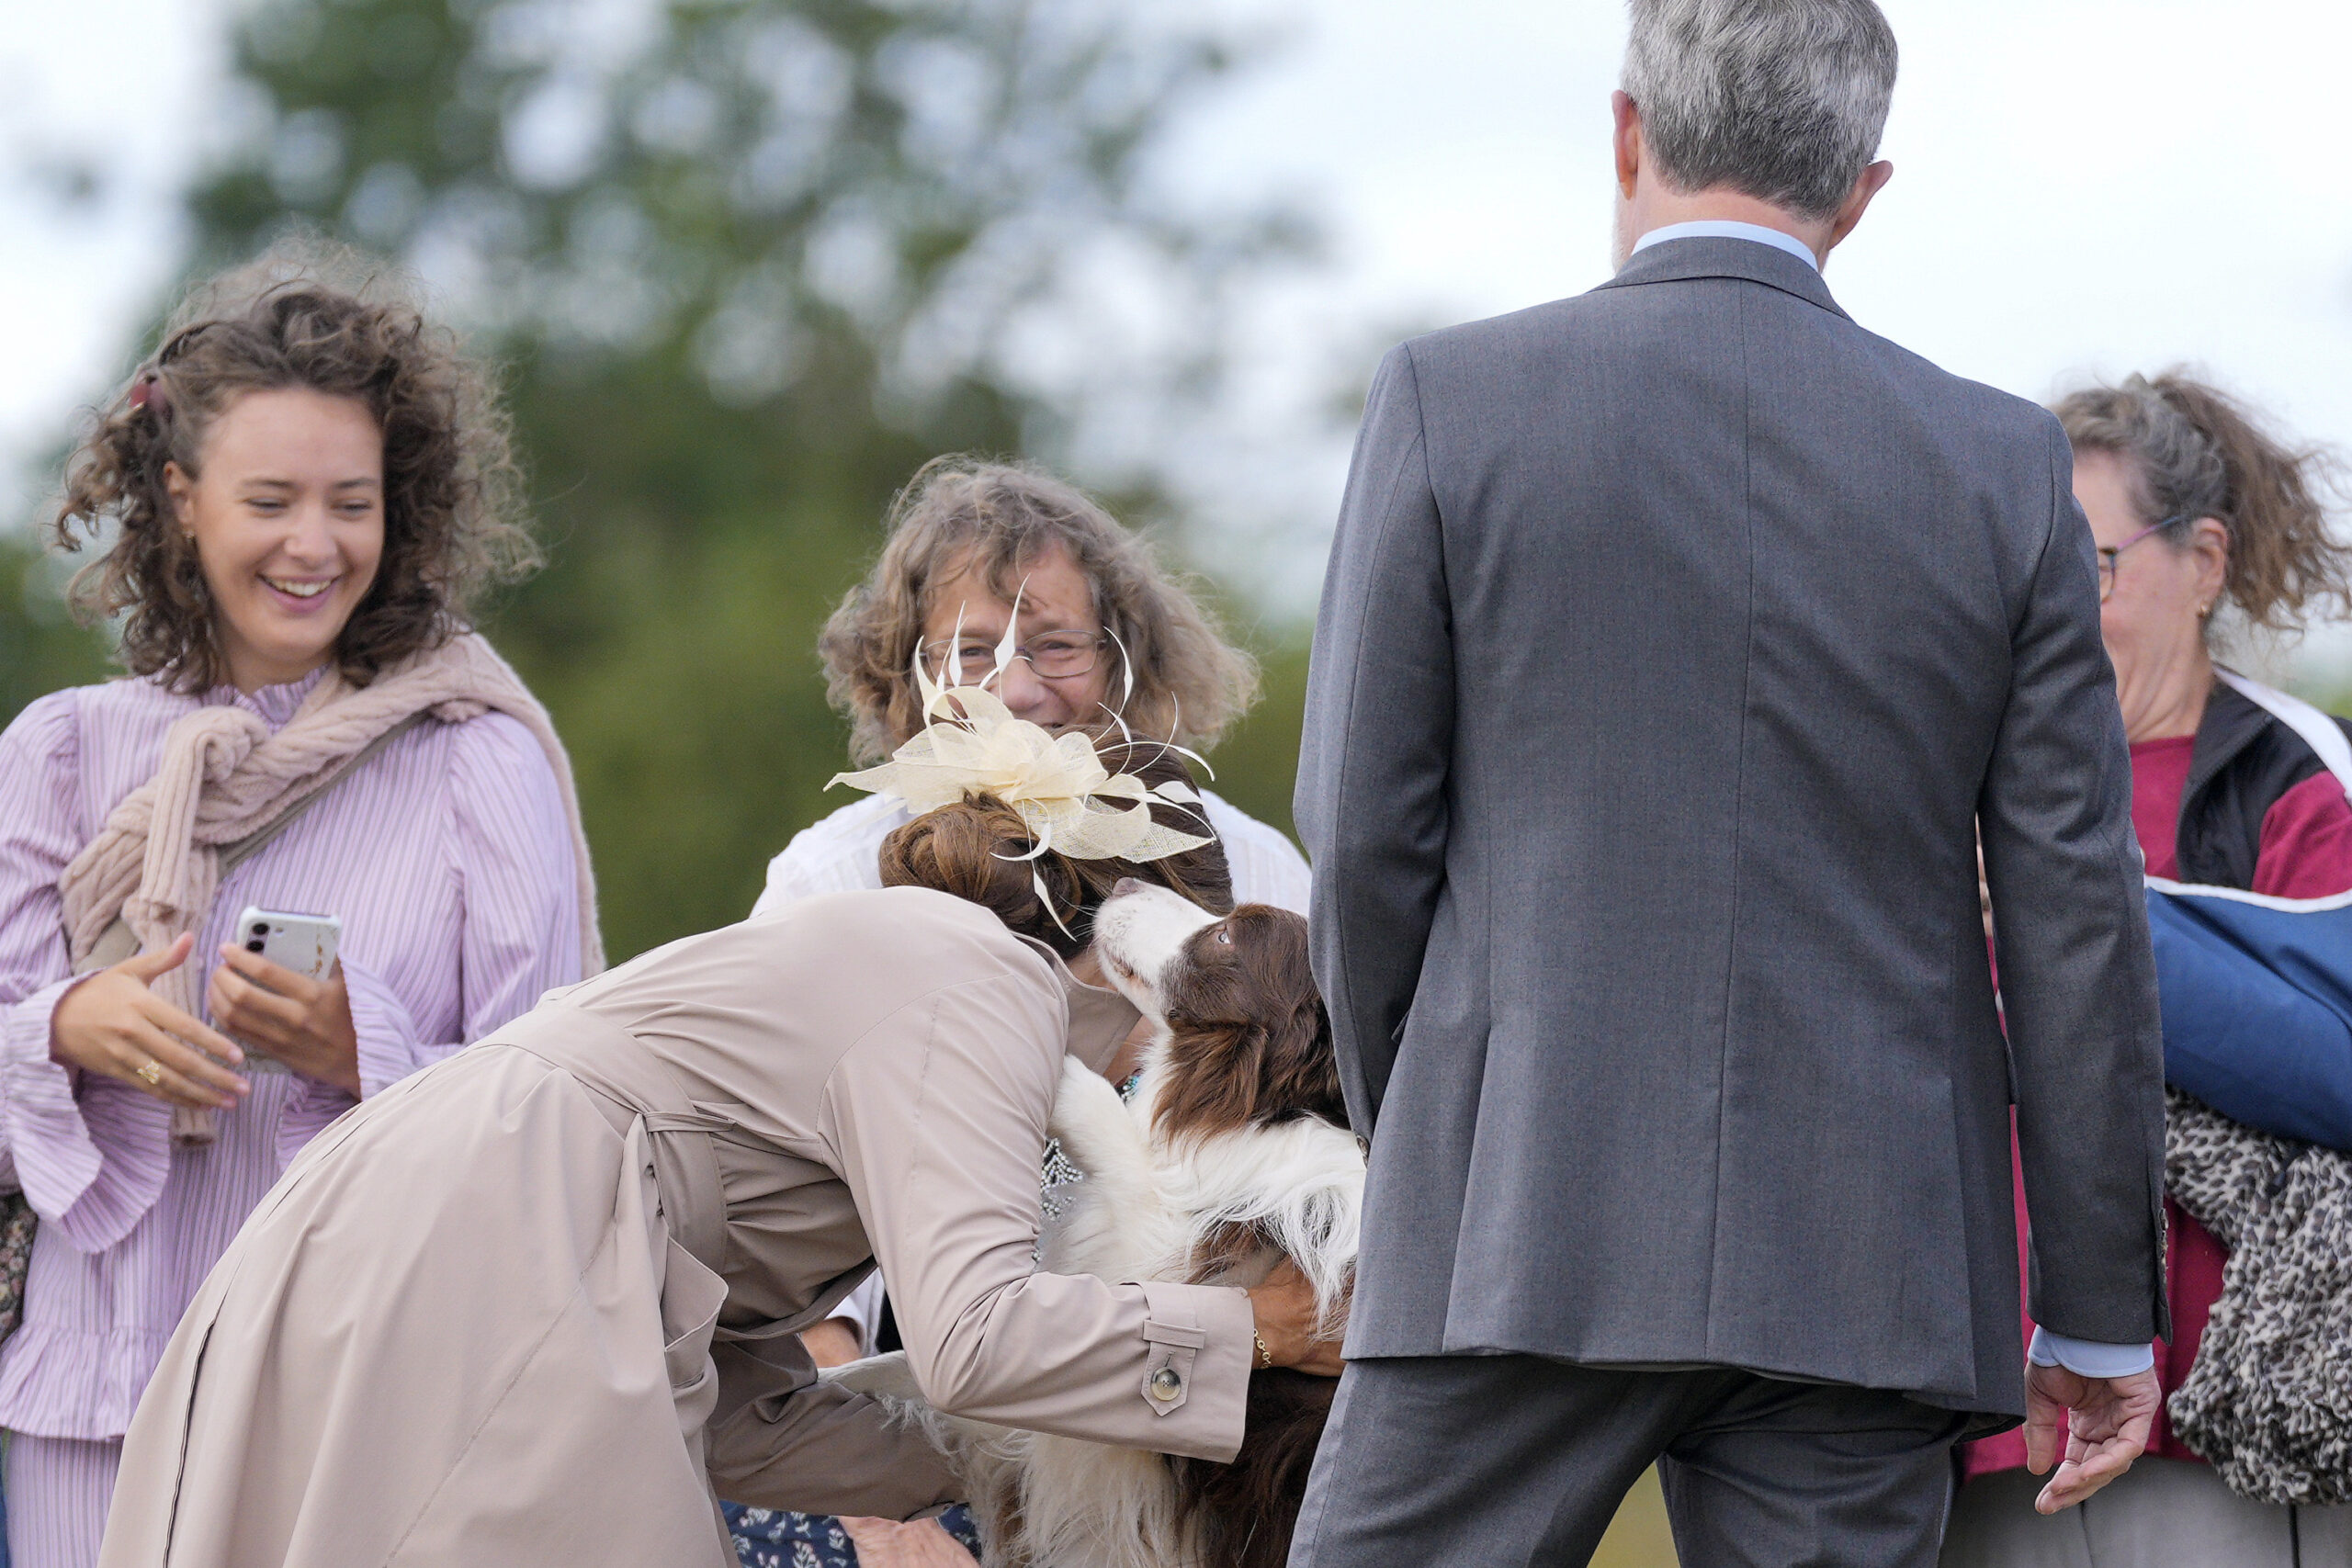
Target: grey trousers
(1478,1462)
(2163,1514)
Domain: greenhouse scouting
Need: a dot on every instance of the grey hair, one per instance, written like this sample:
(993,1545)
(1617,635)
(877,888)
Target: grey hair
(960,511)
(2190,451)
(1783,100)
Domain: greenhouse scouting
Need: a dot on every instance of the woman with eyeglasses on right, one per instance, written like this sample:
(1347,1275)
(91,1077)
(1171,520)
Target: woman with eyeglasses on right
(2193,506)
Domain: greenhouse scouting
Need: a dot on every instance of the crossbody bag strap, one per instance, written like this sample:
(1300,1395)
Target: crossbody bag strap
(239,851)
(2321,733)
(118,941)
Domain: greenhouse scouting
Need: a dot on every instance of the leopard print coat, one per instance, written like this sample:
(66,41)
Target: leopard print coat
(2268,1402)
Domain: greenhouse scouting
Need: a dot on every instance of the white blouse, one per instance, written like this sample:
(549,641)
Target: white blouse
(842,853)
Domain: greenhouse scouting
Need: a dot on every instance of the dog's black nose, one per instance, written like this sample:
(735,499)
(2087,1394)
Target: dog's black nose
(1125,885)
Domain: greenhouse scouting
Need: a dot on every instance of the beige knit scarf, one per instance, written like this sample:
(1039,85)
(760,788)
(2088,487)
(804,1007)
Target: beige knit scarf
(155,863)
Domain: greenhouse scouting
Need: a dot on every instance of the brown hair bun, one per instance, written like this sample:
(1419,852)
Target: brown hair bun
(962,849)
(970,849)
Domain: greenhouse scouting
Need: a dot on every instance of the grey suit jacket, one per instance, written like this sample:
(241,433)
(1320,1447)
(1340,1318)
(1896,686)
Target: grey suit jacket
(1678,638)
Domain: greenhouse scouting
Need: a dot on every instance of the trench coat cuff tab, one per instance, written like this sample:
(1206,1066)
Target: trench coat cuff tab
(1196,1370)
(1172,1331)
(1198,1335)
(1161,1333)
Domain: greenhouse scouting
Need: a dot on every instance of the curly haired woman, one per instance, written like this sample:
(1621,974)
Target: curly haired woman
(1102,628)
(296,500)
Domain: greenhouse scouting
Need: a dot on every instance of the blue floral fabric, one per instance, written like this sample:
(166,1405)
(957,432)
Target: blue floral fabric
(772,1537)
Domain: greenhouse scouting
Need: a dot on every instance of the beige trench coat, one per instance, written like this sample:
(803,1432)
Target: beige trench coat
(527,1306)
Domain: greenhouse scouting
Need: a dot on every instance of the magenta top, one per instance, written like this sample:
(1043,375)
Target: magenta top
(448,859)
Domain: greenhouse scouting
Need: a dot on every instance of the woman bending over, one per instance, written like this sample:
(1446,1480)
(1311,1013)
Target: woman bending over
(541,1305)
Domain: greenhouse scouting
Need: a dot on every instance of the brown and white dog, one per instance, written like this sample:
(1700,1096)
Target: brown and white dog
(1233,1154)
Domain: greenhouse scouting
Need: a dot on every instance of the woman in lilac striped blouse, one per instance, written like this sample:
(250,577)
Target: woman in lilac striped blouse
(295,452)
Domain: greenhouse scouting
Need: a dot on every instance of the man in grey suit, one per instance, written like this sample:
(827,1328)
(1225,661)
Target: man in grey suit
(1679,641)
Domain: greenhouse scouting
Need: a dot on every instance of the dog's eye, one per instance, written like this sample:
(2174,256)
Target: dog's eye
(1224,936)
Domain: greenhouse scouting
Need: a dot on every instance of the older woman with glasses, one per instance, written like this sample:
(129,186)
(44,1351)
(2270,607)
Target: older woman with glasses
(1103,629)
(2193,507)
(1101,632)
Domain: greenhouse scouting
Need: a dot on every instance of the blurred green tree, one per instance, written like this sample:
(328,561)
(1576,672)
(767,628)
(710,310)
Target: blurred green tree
(750,263)
(41,648)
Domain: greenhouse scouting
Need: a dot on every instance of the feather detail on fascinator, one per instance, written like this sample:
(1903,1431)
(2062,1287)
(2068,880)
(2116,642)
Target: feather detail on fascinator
(1072,804)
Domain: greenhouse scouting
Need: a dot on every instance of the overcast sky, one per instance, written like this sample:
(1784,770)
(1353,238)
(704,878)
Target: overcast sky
(2082,187)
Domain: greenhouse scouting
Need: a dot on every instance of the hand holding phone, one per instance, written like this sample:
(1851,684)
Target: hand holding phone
(304,945)
(279,993)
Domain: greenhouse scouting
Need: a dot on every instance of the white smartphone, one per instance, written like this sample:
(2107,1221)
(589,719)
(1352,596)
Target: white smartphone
(304,943)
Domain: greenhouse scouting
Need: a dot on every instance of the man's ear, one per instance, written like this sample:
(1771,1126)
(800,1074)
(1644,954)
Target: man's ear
(1867,184)
(1627,138)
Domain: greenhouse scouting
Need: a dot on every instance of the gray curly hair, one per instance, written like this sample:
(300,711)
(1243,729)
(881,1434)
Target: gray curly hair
(1189,682)
(2191,450)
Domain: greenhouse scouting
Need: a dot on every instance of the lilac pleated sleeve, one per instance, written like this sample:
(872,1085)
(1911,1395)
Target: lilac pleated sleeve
(448,858)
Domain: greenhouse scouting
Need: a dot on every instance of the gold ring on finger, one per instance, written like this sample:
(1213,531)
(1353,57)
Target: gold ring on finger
(152,1075)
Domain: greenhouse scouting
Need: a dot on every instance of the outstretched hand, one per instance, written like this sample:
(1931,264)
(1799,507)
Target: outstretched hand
(2104,1423)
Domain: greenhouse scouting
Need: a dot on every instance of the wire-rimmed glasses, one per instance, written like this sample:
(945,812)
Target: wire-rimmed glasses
(1052,656)
(2106,554)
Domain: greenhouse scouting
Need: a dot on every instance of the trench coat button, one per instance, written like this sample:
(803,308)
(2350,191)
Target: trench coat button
(1166,1385)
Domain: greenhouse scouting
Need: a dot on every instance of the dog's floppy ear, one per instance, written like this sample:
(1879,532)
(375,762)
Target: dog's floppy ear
(1215,1073)
(1302,1070)
(1302,1073)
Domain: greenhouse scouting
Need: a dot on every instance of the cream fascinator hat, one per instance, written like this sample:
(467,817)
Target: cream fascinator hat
(1072,804)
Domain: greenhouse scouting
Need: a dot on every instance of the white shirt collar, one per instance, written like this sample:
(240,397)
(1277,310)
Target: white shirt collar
(1725,229)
